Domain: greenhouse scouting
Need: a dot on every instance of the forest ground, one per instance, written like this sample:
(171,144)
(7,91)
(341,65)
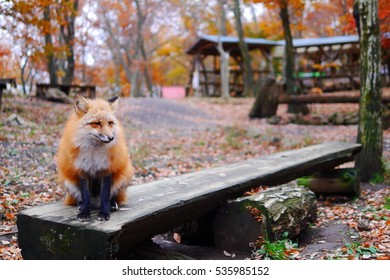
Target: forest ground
(171,137)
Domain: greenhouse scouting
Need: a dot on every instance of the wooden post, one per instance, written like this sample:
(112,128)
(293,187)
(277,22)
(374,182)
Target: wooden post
(205,91)
(2,86)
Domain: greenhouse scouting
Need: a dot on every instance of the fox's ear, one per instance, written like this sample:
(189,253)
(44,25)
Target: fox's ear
(114,101)
(80,104)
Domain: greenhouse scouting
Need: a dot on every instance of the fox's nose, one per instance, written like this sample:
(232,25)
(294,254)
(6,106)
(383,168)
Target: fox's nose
(105,138)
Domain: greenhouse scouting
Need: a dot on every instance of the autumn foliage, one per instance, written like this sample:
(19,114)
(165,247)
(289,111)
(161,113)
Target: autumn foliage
(133,46)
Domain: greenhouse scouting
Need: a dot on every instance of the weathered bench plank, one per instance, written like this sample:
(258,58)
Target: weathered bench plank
(52,232)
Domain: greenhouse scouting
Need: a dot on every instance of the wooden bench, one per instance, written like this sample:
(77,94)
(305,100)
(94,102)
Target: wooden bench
(52,232)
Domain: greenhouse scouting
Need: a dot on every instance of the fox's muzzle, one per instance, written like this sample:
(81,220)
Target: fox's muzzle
(105,138)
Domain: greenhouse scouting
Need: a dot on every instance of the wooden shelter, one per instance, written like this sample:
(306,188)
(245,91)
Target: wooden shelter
(330,63)
(205,73)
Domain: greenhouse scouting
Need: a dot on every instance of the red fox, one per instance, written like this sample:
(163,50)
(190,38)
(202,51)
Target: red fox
(94,167)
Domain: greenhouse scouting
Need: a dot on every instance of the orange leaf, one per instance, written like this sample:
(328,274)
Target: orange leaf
(10,216)
(383,258)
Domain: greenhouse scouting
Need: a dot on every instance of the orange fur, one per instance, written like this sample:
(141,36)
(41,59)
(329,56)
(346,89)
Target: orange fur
(82,153)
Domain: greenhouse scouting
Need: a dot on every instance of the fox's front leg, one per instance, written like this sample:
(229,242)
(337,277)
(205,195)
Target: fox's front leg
(104,213)
(85,203)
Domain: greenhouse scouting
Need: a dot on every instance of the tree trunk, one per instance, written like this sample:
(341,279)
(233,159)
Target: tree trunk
(356,16)
(51,61)
(289,67)
(68,33)
(2,86)
(224,65)
(248,75)
(223,55)
(140,45)
(222,27)
(22,75)
(266,103)
(267,214)
(134,91)
(370,134)
(83,59)
(122,54)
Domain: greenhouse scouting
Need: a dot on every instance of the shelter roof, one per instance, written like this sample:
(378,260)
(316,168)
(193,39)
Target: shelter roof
(324,41)
(207,44)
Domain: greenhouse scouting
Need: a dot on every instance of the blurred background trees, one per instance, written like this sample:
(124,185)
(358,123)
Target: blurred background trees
(131,46)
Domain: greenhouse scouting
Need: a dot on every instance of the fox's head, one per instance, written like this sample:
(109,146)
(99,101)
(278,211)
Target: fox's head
(97,124)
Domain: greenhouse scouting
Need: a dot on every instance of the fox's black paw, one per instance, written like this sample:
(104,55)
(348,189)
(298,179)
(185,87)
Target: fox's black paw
(103,216)
(83,217)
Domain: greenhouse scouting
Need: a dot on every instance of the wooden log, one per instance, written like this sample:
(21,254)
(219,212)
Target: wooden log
(52,231)
(338,181)
(267,214)
(292,99)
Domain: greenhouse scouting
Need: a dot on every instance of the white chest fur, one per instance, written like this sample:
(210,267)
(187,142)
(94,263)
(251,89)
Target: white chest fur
(93,159)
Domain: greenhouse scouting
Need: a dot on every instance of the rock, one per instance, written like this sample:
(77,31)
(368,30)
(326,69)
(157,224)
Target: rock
(58,95)
(336,119)
(16,120)
(363,224)
(274,120)
(267,214)
(352,118)
(253,132)
(344,119)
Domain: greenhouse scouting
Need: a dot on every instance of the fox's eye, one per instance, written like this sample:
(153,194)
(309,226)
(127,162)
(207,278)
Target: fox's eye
(95,124)
(110,123)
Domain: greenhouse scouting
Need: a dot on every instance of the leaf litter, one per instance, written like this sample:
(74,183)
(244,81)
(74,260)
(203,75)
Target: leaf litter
(184,136)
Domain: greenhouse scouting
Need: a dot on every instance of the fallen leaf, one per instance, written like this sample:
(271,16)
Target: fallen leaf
(383,258)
